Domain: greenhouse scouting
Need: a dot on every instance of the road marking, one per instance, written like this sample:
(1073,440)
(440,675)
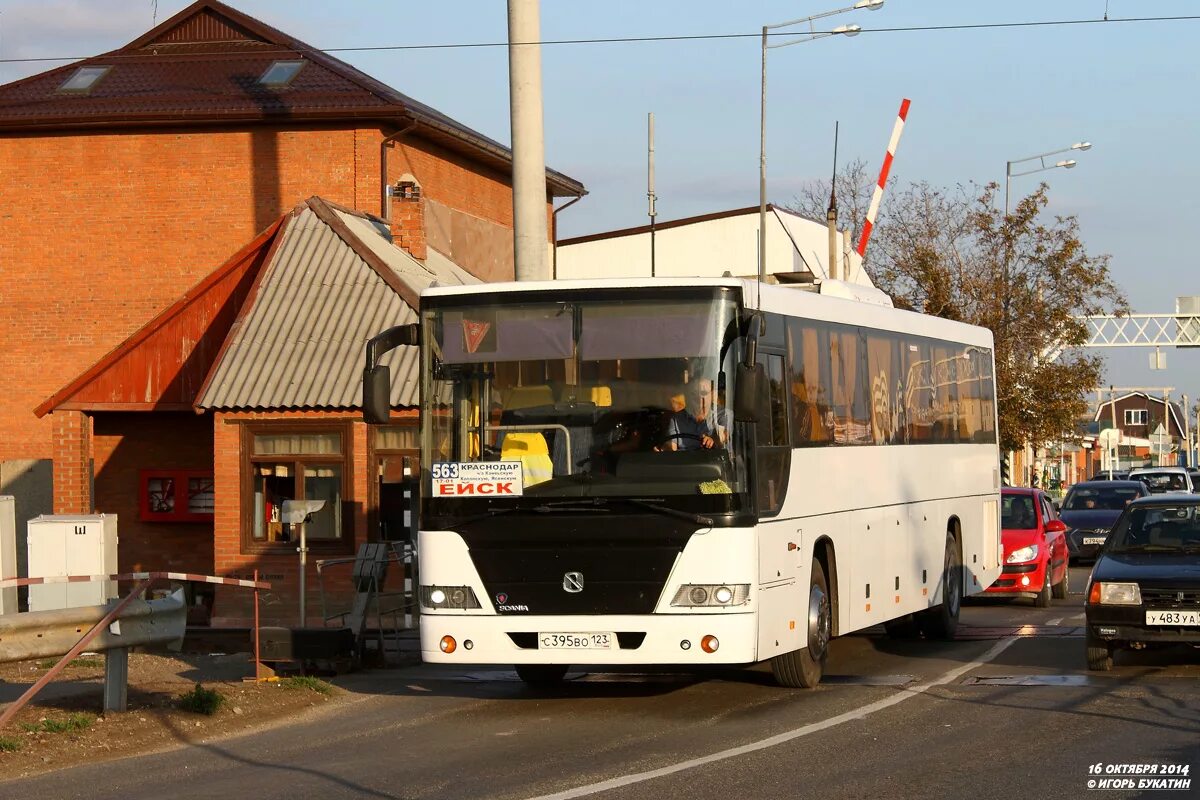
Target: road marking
(1056,621)
(782,738)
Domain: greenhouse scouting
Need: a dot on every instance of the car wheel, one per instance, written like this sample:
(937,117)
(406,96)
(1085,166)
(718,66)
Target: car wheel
(802,669)
(1043,597)
(1099,654)
(1064,586)
(542,675)
(942,622)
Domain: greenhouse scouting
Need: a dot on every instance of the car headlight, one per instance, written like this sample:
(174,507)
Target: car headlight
(1028,553)
(1115,594)
(711,594)
(449,597)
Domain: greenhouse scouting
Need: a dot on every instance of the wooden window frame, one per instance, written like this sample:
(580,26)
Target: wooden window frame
(373,454)
(181,478)
(345,429)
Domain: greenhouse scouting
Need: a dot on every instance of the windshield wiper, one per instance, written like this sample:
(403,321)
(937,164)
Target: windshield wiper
(544,508)
(1145,548)
(699,519)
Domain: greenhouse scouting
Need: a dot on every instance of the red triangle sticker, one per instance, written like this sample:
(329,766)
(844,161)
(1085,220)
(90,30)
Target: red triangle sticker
(474,333)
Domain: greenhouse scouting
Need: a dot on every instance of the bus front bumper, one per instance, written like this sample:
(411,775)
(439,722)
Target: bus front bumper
(648,639)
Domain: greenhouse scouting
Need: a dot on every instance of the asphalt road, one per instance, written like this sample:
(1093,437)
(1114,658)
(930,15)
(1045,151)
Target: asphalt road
(1008,712)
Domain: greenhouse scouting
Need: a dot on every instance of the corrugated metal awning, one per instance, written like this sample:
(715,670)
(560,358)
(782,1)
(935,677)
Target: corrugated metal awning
(332,284)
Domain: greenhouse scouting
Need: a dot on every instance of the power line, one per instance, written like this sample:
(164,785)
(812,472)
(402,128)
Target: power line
(638,39)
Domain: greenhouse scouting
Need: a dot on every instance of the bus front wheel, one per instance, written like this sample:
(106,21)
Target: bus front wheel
(802,669)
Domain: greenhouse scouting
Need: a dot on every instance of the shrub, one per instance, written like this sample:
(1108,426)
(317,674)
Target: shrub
(9,745)
(69,724)
(201,701)
(307,682)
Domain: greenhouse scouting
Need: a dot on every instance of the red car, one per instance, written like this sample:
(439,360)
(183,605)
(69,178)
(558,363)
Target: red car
(1035,547)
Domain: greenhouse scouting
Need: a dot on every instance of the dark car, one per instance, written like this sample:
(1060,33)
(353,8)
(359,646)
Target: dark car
(1194,474)
(1090,509)
(1111,475)
(1145,587)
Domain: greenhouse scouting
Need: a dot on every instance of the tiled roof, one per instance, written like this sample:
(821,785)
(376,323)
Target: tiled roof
(203,66)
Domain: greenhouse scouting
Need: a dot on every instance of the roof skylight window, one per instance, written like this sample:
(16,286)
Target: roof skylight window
(280,73)
(83,79)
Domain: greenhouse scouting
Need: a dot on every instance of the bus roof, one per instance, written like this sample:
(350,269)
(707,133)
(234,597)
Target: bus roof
(837,302)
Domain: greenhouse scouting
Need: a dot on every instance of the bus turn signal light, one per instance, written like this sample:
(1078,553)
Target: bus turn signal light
(448,644)
(709,644)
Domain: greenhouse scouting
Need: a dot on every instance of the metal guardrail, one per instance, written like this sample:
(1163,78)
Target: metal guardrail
(49,634)
(112,628)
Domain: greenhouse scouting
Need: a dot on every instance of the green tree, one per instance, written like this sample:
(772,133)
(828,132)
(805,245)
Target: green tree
(1027,276)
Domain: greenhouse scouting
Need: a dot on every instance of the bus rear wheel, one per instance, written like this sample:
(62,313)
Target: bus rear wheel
(802,669)
(542,675)
(941,622)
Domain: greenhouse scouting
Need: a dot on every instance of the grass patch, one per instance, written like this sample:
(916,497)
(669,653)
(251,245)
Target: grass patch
(201,701)
(71,723)
(9,745)
(307,682)
(84,663)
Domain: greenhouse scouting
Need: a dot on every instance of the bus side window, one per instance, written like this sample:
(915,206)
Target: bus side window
(774,447)
(773,426)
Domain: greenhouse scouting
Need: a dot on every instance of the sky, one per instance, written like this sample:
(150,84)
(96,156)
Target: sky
(980,98)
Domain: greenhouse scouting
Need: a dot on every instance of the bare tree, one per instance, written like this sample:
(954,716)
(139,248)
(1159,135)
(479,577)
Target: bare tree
(855,185)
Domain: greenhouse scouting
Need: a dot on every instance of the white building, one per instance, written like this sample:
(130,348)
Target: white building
(711,245)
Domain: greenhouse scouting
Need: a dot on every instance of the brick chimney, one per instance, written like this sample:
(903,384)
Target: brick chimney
(408,216)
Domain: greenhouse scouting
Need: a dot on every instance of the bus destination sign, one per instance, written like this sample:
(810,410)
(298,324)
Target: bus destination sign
(477,478)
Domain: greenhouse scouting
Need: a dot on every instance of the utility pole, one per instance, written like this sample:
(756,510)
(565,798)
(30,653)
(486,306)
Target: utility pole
(530,242)
(651,197)
(1116,454)
(1187,435)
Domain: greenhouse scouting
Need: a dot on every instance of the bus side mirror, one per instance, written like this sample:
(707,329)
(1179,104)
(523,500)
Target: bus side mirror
(751,386)
(377,379)
(377,395)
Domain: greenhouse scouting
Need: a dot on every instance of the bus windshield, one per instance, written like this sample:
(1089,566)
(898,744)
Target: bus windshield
(586,395)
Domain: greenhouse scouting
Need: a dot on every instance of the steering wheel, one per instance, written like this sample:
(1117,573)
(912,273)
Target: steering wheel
(664,439)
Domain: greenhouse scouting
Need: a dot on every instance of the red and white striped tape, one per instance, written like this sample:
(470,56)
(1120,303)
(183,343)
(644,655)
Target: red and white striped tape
(134,576)
(877,197)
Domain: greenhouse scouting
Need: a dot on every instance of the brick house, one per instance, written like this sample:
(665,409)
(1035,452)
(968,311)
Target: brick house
(193,145)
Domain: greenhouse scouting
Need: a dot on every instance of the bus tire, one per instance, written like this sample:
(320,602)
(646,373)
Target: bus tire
(542,675)
(942,622)
(802,669)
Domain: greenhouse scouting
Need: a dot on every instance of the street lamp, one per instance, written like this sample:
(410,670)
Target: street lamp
(841,30)
(1042,165)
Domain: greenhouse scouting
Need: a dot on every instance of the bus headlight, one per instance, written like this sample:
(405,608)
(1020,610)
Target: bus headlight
(449,597)
(707,595)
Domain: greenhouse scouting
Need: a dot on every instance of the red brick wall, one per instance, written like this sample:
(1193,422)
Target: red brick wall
(234,606)
(125,443)
(72,458)
(103,230)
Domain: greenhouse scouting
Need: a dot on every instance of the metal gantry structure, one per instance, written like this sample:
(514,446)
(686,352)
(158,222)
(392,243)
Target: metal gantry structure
(1180,329)
(1143,330)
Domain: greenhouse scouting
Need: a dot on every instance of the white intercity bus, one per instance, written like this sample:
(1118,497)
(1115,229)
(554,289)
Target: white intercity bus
(693,472)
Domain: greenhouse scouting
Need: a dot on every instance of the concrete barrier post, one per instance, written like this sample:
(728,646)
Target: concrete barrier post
(116,679)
